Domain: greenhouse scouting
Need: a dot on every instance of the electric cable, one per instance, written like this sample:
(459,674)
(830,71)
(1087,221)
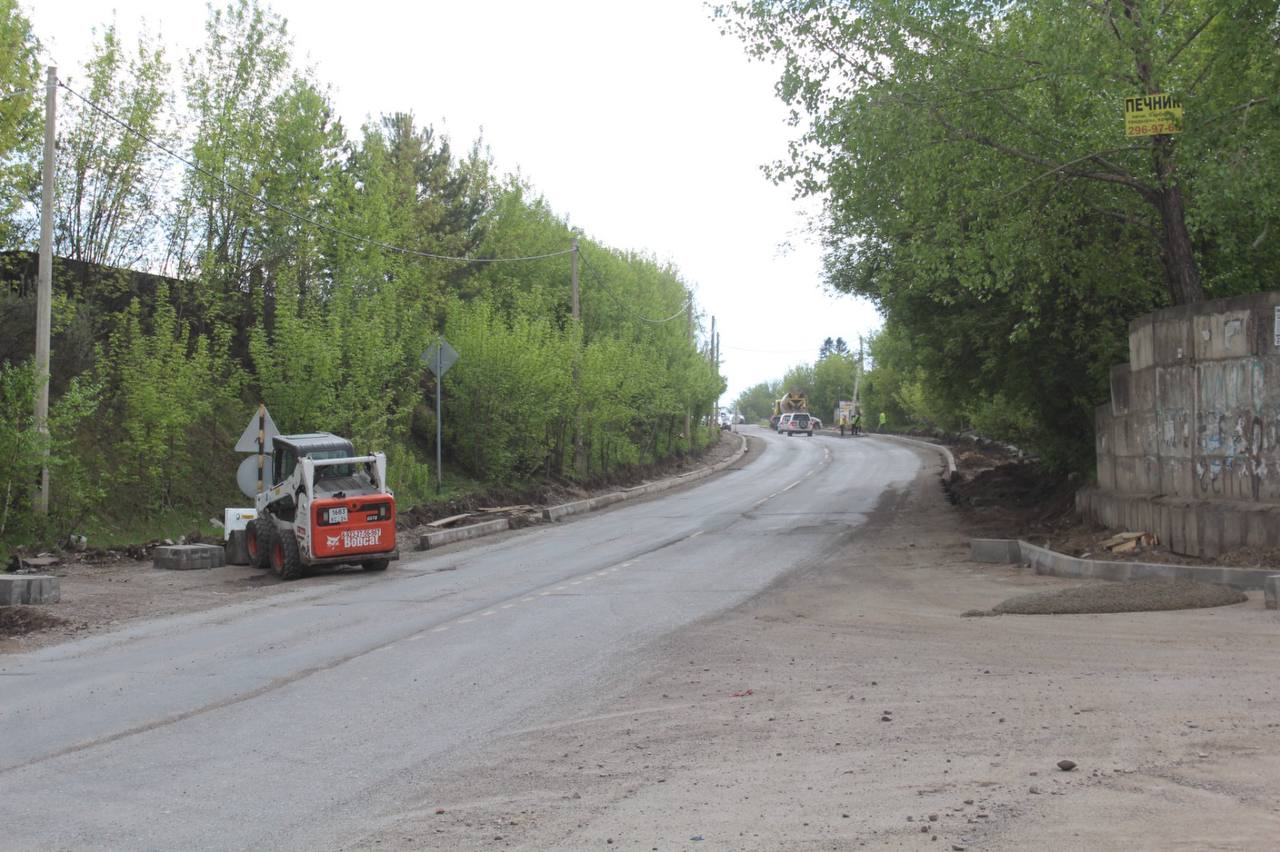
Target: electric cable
(600,280)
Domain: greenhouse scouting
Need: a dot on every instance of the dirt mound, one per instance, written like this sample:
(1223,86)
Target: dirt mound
(1140,596)
(17,620)
(1014,499)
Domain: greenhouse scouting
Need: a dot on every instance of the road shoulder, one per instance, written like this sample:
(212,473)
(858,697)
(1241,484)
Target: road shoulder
(850,705)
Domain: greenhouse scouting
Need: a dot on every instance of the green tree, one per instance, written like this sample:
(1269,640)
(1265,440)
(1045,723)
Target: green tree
(936,125)
(833,378)
(109,179)
(234,85)
(21,124)
(756,402)
(168,383)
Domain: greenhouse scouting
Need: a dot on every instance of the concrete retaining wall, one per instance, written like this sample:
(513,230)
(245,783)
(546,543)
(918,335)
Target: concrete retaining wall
(1190,440)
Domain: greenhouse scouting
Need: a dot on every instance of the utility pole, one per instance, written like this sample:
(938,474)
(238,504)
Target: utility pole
(44,287)
(711,346)
(857,377)
(688,418)
(579,456)
(715,421)
(577,311)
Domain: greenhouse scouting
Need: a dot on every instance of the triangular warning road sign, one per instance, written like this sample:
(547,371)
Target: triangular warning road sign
(248,442)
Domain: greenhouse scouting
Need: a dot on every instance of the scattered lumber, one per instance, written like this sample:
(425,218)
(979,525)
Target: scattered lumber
(452,519)
(1127,542)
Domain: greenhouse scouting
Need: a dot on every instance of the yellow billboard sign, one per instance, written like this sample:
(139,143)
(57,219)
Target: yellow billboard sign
(1152,115)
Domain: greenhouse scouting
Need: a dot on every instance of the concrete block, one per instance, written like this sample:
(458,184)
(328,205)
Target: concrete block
(1000,550)
(1142,391)
(1176,477)
(1144,435)
(1171,340)
(236,549)
(1142,342)
(16,589)
(1131,475)
(1175,388)
(440,538)
(1175,438)
(1271,591)
(1102,426)
(1107,472)
(1260,529)
(577,507)
(188,557)
(1120,389)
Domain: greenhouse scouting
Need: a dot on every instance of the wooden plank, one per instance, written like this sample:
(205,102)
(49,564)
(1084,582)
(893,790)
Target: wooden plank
(452,519)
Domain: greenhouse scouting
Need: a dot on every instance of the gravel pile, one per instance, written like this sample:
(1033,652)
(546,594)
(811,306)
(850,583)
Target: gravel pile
(1139,596)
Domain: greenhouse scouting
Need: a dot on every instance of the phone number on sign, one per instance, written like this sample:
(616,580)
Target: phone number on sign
(1151,129)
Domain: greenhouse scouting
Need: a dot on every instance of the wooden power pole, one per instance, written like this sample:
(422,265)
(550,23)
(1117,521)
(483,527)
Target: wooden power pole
(44,287)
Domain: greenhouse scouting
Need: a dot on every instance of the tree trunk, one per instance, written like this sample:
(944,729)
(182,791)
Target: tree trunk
(1181,274)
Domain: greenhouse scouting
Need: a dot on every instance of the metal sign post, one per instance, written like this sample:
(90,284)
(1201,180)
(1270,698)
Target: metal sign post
(257,439)
(439,357)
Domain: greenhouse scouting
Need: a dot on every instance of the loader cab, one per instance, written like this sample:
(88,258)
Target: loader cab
(317,445)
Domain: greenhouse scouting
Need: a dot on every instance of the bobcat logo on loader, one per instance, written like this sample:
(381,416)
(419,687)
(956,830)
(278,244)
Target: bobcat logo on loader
(332,540)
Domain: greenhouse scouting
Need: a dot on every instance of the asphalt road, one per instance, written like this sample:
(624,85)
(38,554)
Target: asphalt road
(306,720)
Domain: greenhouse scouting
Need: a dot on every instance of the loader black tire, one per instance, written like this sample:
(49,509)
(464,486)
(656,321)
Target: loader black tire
(257,540)
(285,559)
(375,564)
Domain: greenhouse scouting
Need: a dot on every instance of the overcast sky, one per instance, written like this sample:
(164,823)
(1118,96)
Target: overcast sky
(636,120)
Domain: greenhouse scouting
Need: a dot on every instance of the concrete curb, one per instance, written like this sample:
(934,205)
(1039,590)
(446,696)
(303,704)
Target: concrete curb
(577,507)
(443,537)
(1046,561)
(946,451)
(29,589)
(188,557)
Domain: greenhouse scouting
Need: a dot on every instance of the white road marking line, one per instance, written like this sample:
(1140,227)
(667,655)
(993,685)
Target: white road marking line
(576,583)
(527,600)
(695,535)
(625,564)
(792,485)
(465,620)
(440,630)
(490,612)
(561,588)
(543,594)
(507,606)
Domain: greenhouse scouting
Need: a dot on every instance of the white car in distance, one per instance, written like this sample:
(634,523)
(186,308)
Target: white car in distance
(795,421)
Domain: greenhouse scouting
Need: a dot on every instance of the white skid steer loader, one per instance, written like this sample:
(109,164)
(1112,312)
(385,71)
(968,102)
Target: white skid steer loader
(325,506)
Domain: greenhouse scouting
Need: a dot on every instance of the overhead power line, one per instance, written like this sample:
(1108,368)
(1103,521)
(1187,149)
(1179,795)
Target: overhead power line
(600,280)
(770,351)
(259,200)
